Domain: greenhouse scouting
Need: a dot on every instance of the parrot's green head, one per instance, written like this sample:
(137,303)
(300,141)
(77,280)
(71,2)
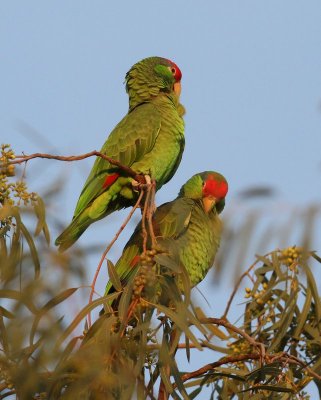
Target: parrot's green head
(210,187)
(150,76)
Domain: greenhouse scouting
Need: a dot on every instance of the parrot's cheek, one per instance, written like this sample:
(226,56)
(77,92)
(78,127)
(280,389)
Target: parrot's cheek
(177,88)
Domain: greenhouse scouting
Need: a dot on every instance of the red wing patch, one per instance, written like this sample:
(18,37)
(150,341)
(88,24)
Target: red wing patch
(134,261)
(110,179)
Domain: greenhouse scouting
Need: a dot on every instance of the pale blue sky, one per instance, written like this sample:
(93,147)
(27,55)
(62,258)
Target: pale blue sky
(251,87)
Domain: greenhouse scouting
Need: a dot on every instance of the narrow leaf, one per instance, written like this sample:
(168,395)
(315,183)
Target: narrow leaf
(33,250)
(15,295)
(50,304)
(187,349)
(303,315)
(58,299)
(177,319)
(4,337)
(113,276)
(5,313)
(40,212)
(67,351)
(269,387)
(82,314)
(166,261)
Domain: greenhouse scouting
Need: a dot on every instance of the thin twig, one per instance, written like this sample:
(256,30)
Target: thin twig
(93,283)
(12,392)
(246,273)
(228,325)
(162,392)
(151,209)
(19,159)
(224,360)
(295,360)
(145,210)
(147,215)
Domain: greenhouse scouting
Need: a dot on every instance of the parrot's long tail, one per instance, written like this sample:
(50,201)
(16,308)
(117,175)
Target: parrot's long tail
(73,231)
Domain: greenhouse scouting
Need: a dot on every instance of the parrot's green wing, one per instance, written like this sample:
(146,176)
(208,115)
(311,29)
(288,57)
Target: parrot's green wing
(170,221)
(131,139)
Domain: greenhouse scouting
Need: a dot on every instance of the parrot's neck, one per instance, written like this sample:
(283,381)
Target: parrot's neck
(154,97)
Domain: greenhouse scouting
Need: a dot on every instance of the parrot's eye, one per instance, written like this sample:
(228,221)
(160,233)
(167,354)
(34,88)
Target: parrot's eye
(175,71)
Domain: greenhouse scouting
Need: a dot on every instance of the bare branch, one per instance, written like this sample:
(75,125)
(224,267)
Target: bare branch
(289,358)
(222,361)
(151,210)
(103,257)
(228,325)
(236,287)
(19,159)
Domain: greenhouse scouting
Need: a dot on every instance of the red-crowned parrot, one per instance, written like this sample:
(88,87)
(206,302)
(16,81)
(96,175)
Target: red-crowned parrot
(187,229)
(149,139)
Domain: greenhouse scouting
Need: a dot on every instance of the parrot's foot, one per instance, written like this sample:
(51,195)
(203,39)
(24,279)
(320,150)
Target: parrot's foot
(145,180)
(148,179)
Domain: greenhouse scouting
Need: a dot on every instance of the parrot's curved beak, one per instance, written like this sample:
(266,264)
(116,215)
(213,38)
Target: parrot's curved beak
(208,203)
(177,88)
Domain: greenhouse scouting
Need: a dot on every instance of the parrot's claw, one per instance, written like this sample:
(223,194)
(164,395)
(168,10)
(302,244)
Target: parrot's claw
(145,180)
(135,185)
(148,179)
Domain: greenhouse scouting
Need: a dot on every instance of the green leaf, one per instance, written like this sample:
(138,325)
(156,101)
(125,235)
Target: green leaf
(46,233)
(302,316)
(315,256)
(124,302)
(4,337)
(180,322)
(33,250)
(187,349)
(266,261)
(50,304)
(219,349)
(167,261)
(285,321)
(58,299)
(67,351)
(15,295)
(82,314)
(269,387)
(314,290)
(165,379)
(215,331)
(5,313)
(195,393)
(9,211)
(177,376)
(40,211)
(113,276)
(102,325)
(27,351)
(271,369)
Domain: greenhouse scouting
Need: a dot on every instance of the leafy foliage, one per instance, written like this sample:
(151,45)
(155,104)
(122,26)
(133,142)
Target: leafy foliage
(273,351)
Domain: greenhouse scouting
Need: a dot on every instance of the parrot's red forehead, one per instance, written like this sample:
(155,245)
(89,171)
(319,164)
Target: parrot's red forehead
(215,188)
(177,73)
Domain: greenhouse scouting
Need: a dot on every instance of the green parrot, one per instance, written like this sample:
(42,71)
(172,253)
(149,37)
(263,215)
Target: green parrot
(187,229)
(149,140)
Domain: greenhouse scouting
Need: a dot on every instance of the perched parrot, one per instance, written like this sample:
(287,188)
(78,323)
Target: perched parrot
(187,229)
(149,140)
